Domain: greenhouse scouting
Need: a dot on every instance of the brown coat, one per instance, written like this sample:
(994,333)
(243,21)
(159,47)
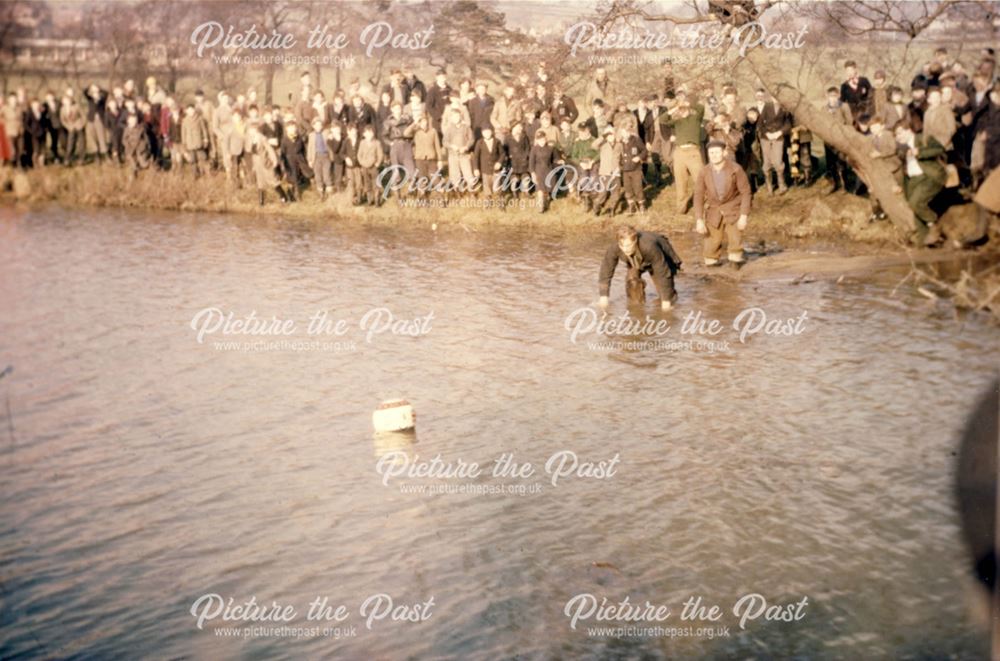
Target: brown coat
(988,195)
(728,208)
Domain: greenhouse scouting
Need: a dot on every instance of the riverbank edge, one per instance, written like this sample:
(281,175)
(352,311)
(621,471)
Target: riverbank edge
(802,214)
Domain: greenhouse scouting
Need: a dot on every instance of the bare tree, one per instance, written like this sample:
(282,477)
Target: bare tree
(19,19)
(118,33)
(168,25)
(782,76)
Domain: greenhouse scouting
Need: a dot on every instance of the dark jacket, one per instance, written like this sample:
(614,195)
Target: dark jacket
(861,99)
(634,147)
(293,155)
(989,120)
(517,152)
(336,147)
(413,84)
(348,150)
(342,116)
(658,258)
(480,111)
(437,100)
(36,126)
(53,112)
(647,125)
(95,106)
(395,129)
(564,108)
(541,161)
(483,158)
(361,117)
(774,118)
(916,111)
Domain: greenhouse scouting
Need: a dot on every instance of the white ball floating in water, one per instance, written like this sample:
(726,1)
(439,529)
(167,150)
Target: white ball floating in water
(394,415)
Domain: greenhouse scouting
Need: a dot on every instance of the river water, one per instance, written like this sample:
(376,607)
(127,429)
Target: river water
(141,469)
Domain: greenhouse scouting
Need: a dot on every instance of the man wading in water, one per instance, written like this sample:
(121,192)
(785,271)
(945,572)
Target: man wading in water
(643,252)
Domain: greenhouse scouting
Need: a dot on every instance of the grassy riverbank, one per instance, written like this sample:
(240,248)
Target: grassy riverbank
(803,213)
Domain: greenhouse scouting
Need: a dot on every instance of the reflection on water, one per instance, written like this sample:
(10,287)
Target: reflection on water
(145,469)
(397,445)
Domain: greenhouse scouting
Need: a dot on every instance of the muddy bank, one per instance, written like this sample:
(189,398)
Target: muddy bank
(804,213)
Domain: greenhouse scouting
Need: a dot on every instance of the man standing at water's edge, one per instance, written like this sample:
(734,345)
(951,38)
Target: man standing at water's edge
(721,204)
(643,252)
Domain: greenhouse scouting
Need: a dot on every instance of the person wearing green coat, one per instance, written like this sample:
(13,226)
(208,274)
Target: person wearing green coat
(583,156)
(924,176)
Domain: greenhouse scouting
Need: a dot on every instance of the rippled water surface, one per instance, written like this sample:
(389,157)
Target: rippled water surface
(140,469)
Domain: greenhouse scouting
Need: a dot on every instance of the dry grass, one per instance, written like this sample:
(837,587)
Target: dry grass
(804,213)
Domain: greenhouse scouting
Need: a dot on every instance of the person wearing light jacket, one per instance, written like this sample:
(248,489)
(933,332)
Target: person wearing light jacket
(74,122)
(608,171)
(457,141)
(427,151)
(506,112)
(195,139)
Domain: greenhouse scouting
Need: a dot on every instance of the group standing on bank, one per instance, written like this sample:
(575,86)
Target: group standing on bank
(445,141)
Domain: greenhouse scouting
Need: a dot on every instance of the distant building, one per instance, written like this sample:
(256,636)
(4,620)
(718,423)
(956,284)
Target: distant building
(35,53)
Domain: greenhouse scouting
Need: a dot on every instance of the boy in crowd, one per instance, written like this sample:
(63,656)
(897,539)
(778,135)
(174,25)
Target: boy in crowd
(774,125)
(750,156)
(264,164)
(506,112)
(517,146)
(855,91)
(458,143)
(480,110)
(583,156)
(400,142)
(73,122)
(530,122)
(895,111)
(136,144)
(884,148)
(608,172)
(370,158)
(541,162)
(645,121)
(633,156)
(195,139)
(349,149)
(427,150)
(335,142)
(293,156)
(319,155)
(487,159)
(923,179)
(836,168)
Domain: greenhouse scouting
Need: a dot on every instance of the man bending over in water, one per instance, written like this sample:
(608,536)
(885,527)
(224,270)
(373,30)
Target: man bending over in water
(643,252)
